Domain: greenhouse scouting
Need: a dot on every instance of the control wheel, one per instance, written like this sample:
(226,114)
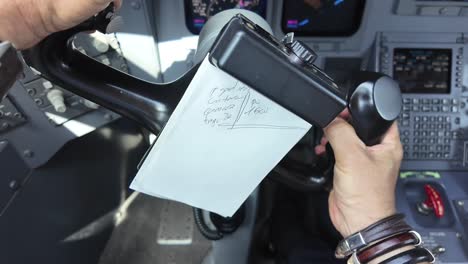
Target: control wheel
(301,169)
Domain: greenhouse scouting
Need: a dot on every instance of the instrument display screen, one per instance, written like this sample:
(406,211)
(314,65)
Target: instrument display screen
(466,1)
(199,11)
(423,70)
(322,17)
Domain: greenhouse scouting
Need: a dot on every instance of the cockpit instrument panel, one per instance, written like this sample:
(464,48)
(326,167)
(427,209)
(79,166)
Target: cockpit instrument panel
(199,11)
(423,70)
(322,17)
(441,0)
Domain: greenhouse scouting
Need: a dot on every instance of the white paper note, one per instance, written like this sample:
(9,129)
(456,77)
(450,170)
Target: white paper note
(221,141)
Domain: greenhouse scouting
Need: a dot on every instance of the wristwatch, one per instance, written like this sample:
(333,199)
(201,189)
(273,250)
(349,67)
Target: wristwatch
(10,67)
(385,228)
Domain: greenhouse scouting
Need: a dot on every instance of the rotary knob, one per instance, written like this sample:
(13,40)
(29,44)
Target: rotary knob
(303,52)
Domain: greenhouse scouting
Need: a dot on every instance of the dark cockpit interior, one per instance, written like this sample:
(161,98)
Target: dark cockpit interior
(68,153)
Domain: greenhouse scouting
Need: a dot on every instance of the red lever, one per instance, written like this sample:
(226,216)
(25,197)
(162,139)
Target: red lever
(433,202)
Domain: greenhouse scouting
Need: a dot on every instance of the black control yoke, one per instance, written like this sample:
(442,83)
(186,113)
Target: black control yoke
(149,104)
(281,70)
(284,71)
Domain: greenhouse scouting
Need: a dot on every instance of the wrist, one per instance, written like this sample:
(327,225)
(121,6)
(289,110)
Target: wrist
(349,218)
(359,221)
(377,232)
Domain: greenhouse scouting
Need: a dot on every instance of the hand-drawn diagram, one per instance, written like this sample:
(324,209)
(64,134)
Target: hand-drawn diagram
(239,107)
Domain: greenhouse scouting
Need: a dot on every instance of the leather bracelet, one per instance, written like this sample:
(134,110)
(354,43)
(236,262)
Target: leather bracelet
(388,245)
(413,256)
(383,229)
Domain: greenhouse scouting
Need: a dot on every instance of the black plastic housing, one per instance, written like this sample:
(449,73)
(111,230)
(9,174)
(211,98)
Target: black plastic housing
(244,50)
(10,68)
(58,61)
(374,102)
(256,58)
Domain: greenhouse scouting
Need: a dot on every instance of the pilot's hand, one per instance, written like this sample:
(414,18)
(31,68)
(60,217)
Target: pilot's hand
(364,177)
(26,22)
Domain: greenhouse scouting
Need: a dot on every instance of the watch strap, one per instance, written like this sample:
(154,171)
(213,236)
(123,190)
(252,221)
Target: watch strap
(385,228)
(388,245)
(413,256)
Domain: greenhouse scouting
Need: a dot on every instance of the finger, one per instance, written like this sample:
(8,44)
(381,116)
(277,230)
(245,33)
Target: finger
(118,4)
(345,114)
(343,138)
(323,141)
(320,150)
